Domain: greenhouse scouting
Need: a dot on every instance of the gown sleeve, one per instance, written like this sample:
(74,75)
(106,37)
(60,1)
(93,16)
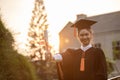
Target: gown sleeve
(101,66)
(64,67)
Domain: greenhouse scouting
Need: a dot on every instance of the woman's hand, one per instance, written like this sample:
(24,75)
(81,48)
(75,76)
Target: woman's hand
(57,57)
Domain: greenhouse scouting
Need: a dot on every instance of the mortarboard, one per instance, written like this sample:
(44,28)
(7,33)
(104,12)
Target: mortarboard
(83,24)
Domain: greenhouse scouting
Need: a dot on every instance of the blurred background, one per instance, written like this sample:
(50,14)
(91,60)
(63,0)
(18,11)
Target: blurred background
(41,28)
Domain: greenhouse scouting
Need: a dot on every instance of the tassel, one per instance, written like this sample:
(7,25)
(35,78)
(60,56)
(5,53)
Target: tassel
(82,65)
(74,31)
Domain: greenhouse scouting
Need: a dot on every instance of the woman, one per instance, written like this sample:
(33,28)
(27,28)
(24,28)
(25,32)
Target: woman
(85,63)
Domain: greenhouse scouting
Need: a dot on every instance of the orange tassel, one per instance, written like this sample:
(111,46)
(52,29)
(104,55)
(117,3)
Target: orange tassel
(82,65)
(74,31)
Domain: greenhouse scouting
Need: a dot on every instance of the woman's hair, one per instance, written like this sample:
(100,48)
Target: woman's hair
(88,29)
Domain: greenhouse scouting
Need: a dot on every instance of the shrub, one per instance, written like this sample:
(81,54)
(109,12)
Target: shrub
(13,66)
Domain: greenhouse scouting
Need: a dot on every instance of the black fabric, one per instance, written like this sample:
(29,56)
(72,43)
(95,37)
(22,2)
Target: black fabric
(95,65)
(83,24)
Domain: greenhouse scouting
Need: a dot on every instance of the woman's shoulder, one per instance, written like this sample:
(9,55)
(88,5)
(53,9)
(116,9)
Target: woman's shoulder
(71,50)
(99,51)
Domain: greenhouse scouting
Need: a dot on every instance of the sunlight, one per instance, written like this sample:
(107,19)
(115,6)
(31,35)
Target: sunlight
(54,42)
(17,15)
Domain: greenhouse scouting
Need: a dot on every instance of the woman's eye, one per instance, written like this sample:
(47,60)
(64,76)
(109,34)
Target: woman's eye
(81,34)
(84,34)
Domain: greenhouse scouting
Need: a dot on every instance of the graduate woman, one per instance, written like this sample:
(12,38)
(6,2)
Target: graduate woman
(86,62)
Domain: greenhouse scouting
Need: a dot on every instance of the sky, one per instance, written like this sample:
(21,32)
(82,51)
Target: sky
(17,14)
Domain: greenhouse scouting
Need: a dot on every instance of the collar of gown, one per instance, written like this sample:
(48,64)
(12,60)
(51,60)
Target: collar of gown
(86,47)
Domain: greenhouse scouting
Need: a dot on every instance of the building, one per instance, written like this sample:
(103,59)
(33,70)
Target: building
(106,35)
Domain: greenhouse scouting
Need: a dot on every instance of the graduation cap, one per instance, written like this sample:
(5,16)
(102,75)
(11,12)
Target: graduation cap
(83,24)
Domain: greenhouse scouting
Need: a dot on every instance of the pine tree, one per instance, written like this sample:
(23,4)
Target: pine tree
(38,43)
(38,32)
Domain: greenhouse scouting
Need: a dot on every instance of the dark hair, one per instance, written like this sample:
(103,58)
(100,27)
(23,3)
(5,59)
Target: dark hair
(88,29)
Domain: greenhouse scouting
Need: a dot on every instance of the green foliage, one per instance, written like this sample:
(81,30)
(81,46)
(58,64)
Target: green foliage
(46,70)
(6,38)
(13,66)
(116,49)
(110,63)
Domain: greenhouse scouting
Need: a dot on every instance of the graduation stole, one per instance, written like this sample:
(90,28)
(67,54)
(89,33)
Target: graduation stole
(82,62)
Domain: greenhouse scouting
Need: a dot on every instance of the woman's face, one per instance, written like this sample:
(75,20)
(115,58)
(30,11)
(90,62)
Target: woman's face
(85,36)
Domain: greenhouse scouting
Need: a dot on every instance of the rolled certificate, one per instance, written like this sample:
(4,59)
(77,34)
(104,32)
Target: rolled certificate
(58,57)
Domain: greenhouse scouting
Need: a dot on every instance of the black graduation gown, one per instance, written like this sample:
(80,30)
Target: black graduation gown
(95,65)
